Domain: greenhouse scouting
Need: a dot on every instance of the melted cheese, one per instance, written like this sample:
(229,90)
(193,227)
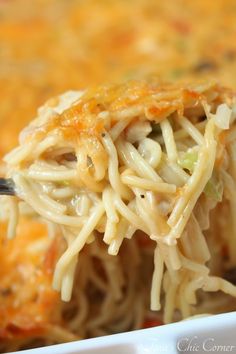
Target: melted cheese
(50,46)
(27,301)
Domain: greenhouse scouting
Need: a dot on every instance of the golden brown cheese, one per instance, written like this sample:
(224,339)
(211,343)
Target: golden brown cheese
(106,105)
(50,46)
(27,300)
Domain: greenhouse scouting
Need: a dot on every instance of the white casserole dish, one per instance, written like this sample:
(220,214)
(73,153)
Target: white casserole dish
(212,334)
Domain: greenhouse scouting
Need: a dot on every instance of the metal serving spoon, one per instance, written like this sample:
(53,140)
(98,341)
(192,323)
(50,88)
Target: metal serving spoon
(7,186)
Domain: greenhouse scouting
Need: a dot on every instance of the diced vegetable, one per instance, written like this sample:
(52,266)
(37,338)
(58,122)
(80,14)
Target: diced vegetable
(151,323)
(214,188)
(188,160)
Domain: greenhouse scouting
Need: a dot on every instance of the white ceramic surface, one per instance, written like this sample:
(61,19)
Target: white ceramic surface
(213,334)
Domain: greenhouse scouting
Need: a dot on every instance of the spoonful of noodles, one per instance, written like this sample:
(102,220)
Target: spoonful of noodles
(113,162)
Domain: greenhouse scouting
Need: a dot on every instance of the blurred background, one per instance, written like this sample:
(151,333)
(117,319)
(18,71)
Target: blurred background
(49,46)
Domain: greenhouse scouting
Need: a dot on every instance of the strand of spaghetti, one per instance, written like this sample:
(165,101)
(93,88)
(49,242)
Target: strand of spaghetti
(44,145)
(169,175)
(199,244)
(172,273)
(167,133)
(150,150)
(25,191)
(134,160)
(52,206)
(57,333)
(231,186)
(63,193)
(91,238)
(116,281)
(125,321)
(177,229)
(119,318)
(116,242)
(207,109)
(171,256)
(157,280)
(181,133)
(113,172)
(110,231)
(20,153)
(68,280)
(51,176)
(183,304)
(105,315)
(107,198)
(147,184)
(194,266)
(178,171)
(77,244)
(151,212)
(186,243)
(98,251)
(117,129)
(129,215)
(82,314)
(14,217)
(174,257)
(51,203)
(137,131)
(94,197)
(191,288)
(89,183)
(83,265)
(83,204)
(96,279)
(130,231)
(47,165)
(155,222)
(139,312)
(197,182)
(213,283)
(26,209)
(52,230)
(193,242)
(69,233)
(191,130)
(169,302)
